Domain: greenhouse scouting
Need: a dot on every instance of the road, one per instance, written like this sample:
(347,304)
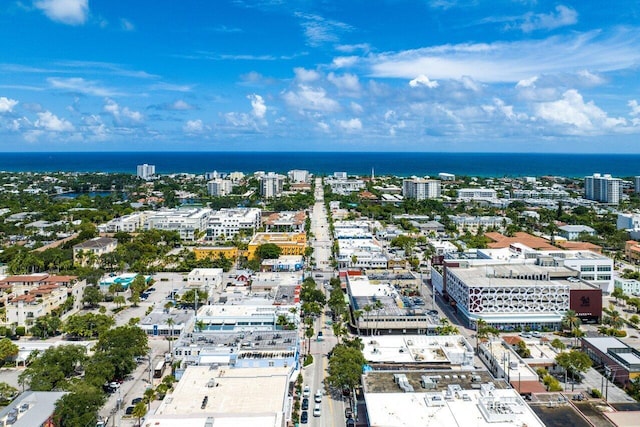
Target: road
(332,406)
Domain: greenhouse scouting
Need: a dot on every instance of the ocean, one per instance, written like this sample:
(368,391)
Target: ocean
(325,163)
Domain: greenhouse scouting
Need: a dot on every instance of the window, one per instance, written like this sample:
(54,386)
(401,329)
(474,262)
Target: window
(604,268)
(587,268)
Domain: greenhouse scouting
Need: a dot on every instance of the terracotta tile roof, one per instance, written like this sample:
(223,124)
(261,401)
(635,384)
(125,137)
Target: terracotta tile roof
(528,387)
(580,246)
(512,339)
(24,278)
(534,242)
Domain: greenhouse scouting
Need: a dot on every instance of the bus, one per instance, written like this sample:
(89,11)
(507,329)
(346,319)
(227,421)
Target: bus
(159,370)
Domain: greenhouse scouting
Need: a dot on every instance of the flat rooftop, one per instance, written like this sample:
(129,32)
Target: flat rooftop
(454,402)
(234,397)
(417,349)
(505,275)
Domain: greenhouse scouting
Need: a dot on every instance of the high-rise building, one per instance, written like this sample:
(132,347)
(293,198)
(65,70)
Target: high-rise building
(636,184)
(602,188)
(146,171)
(421,189)
(219,187)
(271,185)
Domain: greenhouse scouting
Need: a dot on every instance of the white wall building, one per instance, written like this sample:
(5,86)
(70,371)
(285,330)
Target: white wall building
(188,222)
(628,286)
(477,194)
(145,171)
(205,277)
(271,185)
(628,221)
(602,188)
(128,223)
(219,187)
(572,232)
(228,222)
(297,175)
(344,185)
(421,189)
(446,176)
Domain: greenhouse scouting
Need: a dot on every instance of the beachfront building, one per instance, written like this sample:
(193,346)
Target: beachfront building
(271,185)
(126,224)
(421,189)
(146,171)
(219,187)
(477,194)
(293,222)
(227,223)
(444,176)
(299,176)
(602,188)
(190,223)
(88,253)
(289,243)
(341,184)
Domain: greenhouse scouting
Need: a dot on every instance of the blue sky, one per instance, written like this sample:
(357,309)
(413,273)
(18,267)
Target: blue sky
(277,75)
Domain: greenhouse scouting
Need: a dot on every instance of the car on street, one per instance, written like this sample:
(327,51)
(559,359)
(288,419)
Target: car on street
(318,396)
(129,410)
(305,403)
(304,417)
(136,400)
(306,391)
(432,312)
(348,413)
(316,410)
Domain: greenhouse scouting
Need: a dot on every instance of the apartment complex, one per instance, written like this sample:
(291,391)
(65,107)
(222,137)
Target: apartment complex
(89,252)
(188,222)
(271,185)
(421,189)
(285,221)
(145,171)
(298,176)
(602,188)
(227,223)
(219,187)
(477,194)
(289,243)
(127,223)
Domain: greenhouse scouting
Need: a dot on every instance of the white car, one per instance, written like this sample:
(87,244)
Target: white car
(316,410)
(318,396)
(306,391)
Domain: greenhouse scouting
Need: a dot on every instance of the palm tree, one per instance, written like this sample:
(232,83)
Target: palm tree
(570,320)
(357,314)
(367,309)
(139,411)
(170,323)
(377,306)
(119,300)
(615,319)
(482,332)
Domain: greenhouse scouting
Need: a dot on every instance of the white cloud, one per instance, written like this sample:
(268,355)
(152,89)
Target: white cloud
(344,61)
(356,108)
(527,82)
(514,61)
(99,131)
(346,82)
(7,104)
(193,126)
(571,110)
(51,122)
(635,108)
(589,78)
(70,12)
(306,76)
(319,30)
(308,98)
(259,109)
(350,125)
(562,17)
(423,80)
(180,105)
(80,85)
(122,115)
(126,25)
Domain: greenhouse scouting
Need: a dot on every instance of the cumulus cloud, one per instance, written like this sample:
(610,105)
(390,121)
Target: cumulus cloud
(309,98)
(344,61)
(635,108)
(259,109)
(122,115)
(7,104)
(345,83)
(306,76)
(181,105)
(70,12)
(193,126)
(423,80)
(350,125)
(582,117)
(50,122)
(561,17)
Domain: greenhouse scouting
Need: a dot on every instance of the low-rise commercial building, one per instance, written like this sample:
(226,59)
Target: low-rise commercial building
(289,243)
(621,362)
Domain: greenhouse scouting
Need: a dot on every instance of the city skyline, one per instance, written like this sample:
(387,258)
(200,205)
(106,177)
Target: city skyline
(272,75)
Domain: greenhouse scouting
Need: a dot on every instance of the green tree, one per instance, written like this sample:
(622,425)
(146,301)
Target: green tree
(92,296)
(120,346)
(88,325)
(51,369)
(574,361)
(7,393)
(80,407)
(557,343)
(139,411)
(7,350)
(46,326)
(345,367)
(268,251)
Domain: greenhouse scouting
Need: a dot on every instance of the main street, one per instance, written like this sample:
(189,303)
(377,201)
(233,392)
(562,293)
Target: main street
(332,406)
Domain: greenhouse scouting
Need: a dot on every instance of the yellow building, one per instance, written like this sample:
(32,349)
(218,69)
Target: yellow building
(214,252)
(289,243)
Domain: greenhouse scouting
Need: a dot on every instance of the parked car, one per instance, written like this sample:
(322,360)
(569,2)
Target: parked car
(305,403)
(316,410)
(318,396)
(306,391)
(348,413)
(304,417)
(129,410)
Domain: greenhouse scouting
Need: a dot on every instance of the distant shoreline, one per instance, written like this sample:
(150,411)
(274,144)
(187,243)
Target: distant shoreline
(401,164)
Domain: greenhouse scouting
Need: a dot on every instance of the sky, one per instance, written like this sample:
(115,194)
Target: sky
(320,75)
